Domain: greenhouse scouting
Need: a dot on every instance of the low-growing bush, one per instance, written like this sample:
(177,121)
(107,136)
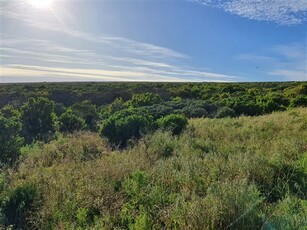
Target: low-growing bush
(16,206)
(71,122)
(10,141)
(175,123)
(87,111)
(225,112)
(38,119)
(300,100)
(144,99)
(126,124)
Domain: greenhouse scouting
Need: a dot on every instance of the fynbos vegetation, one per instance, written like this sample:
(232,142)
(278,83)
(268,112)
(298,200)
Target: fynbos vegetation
(179,156)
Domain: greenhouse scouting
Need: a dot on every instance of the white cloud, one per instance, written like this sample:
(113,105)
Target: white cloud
(284,12)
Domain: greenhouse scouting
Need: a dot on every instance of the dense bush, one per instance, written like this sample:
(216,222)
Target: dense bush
(9,111)
(59,109)
(10,140)
(299,101)
(197,108)
(144,99)
(117,105)
(173,122)
(71,122)
(225,112)
(245,98)
(16,206)
(38,119)
(126,124)
(159,110)
(88,111)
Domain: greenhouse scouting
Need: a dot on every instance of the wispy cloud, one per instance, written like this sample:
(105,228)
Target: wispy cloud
(97,57)
(284,12)
(21,72)
(39,58)
(19,11)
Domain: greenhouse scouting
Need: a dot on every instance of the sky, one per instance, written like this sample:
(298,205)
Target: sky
(153,40)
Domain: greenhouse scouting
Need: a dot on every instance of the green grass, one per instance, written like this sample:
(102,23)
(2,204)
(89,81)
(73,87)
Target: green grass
(232,173)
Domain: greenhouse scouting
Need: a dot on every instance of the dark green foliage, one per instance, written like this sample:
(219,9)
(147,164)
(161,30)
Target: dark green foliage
(59,109)
(225,112)
(197,108)
(88,111)
(71,122)
(159,110)
(194,112)
(9,111)
(117,105)
(302,89)
(244,105)
(126,124)
(144,99)
(272,102)
(16,207)
(299,101)
(245,98)
(38,119)
(10,140)
(173,122)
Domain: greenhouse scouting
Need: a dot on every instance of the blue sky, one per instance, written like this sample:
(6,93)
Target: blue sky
(157,40)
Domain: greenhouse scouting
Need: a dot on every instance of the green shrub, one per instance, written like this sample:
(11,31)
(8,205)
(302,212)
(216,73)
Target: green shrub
(17,205)
(9,111)
(136,183)
(126,124)
(59,109)
(195,108)
(225,112)
(159,110)
(71,122)
(117,105)
(10,141)
(144,99)
(38,119)
(300,100)
(193,112)
(87,111)
(272,102)
(175,123)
